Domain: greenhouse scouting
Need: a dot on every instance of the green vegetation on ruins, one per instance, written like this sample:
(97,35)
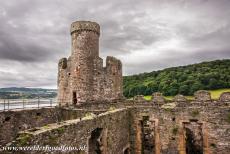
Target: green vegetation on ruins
(183,80)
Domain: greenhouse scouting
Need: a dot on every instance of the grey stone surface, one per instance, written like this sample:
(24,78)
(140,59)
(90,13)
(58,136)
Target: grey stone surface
(82,78)
(158,97)
(202,95)
(139,98)
(225,97)
(180,98)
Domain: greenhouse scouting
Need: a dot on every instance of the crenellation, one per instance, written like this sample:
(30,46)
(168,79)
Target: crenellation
(202,95)
(157,97)
(84,79)
(225,97)
(180,98)
(79,26)
(139,98)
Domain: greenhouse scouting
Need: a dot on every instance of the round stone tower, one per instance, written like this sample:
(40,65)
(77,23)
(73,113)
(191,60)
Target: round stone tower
(85,49)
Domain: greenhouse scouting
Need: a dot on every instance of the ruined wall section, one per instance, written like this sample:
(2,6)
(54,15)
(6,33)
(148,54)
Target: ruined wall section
(113,77)
(99,79)
(63,84)
(176,121)
(215,128)
(114,125)
(12,122)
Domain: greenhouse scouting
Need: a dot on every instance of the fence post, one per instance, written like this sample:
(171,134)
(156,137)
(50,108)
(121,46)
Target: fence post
(23,101)
(4,104)
(38,101)
(51,102)
(8,104)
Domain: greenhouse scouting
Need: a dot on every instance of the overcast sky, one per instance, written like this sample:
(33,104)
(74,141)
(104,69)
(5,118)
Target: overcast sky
(146,35)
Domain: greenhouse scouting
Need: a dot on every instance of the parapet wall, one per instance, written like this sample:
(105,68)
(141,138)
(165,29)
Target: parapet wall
(12,122)
(112,126)
(122,129)
(79,26)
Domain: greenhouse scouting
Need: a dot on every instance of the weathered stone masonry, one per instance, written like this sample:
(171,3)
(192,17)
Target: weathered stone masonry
(137,127)
(82,77)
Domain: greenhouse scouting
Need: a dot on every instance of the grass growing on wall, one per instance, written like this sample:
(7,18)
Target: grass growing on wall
(215,94)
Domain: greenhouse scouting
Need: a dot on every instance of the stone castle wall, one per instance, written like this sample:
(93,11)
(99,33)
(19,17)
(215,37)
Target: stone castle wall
(82,77)
(114,126)
(214,133)
(12,122)
(133,125)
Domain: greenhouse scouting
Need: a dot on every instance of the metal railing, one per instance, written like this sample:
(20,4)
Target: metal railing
(11,104)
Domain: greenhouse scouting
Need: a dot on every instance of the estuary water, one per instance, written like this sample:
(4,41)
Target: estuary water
(10,104)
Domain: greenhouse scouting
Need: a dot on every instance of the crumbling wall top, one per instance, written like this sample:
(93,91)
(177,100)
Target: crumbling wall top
(112,60)
(139,98)
(180,98)
(85,25)
(62,63)
(225,96)
(202,95)
(158,97)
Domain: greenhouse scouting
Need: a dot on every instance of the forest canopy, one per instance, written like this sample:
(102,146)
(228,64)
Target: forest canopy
(180,80)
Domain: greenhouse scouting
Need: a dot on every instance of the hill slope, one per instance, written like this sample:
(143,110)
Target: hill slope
(183,79)
(22,92)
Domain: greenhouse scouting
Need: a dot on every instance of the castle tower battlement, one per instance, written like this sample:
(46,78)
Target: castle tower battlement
(82,77)
(85,26)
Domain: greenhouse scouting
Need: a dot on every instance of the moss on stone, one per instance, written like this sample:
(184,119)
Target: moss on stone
(46,126)
(52,140)
(24,139)
(195,113)
(61,129)
(175,130)
(89,116)
(228,117)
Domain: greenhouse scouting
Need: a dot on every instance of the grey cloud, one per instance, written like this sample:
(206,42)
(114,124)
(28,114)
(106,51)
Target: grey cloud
(174,58)
(35,34)
(16,49)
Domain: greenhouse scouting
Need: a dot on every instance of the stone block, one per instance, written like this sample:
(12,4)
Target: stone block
(202,95)
(158,97)
(139,98)
(180,98)
(225,97)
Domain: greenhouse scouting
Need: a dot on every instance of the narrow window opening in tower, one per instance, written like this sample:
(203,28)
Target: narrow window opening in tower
(74,98)
(193,138)
(95,142)
(77,70)
(148,136)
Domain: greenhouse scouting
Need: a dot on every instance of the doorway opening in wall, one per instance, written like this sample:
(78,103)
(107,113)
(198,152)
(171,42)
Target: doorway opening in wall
(95,142)
(74,98)
(193,137)
(148,136)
